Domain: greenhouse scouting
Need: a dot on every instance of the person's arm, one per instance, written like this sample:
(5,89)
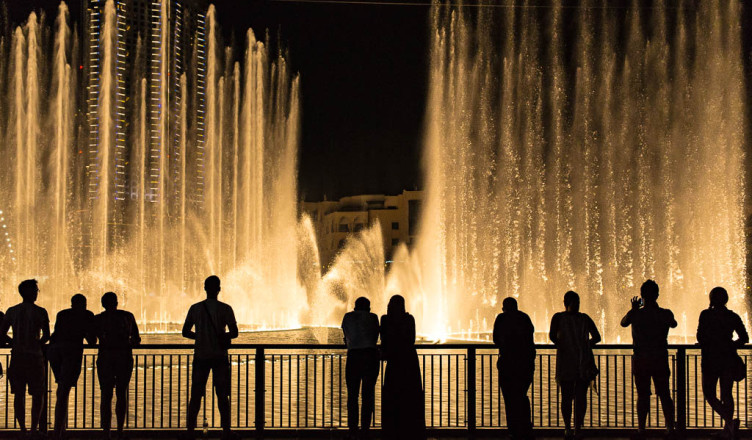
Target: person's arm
(595,336)
(344,332)
(135,336)
(188,327)
(90,335)
(498,338)
(702,328)
(672,321)
(377,328)
(412,329)
(553,333)
(232,326)
(741,332)
(45,329)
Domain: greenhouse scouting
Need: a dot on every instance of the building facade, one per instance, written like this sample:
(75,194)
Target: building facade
(335,221)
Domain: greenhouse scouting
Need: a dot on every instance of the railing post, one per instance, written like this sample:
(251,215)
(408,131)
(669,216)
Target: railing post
(471,396)
(260,389)
(681,389)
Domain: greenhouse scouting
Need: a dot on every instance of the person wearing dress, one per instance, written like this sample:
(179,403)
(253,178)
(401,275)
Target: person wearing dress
(403,410)
(574,335)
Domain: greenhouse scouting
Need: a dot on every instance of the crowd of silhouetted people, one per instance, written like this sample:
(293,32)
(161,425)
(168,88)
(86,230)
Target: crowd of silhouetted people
(212,325)
(574,335)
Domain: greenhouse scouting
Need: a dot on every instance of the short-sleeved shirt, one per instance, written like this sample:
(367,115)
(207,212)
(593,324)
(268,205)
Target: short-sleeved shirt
(72,326)
(715,333)
(650,326)
(571,332)
(27,321)
(208,331)
(117,331)
(514,334)
(361,329)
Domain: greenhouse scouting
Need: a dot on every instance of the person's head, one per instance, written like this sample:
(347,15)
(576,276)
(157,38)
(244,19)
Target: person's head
(212,286)
(29,290)
(718,297)
(109,301)
(649,292)
(363,304)
(396,305)
(572,301)
(78,302)
(509,305)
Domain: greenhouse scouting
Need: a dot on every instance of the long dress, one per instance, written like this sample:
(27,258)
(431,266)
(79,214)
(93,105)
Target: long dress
(403,401)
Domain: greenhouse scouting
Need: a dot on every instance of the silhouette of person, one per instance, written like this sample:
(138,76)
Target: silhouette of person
(650,325)
(117,333)
(361,331)
(66,351)
(403,401)
(31,330)
(210,319)
(715,333)
(574,335)
(514,334)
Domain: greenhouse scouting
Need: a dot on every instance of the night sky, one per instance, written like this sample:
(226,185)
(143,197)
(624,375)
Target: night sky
(363,83)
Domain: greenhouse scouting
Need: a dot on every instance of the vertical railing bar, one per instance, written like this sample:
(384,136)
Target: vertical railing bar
(482,390)
(180,373)
(289,390)
(272,391)
(457,390)
(680,373)
(608,391)
(247,397)
(237,388)
(260,402)
(470,405)
(297,390)
(339,401)
(161,393)
(331,391)
(441,390)
(315,376)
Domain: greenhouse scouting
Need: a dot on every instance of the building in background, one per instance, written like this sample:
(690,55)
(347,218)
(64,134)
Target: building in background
(334,221)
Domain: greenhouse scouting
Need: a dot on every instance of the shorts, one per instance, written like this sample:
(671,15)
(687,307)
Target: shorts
(65,364)
(220,369)
(646,368)
(27,370)
(114,369)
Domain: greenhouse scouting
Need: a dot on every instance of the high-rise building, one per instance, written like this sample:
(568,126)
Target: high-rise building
(151,44)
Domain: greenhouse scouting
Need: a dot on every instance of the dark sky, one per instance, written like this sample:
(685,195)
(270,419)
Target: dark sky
(363,84)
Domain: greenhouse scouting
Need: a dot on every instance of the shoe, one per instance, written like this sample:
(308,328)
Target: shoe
(568,434)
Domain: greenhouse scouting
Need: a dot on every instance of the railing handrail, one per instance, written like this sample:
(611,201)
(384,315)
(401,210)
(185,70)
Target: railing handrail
(437,346)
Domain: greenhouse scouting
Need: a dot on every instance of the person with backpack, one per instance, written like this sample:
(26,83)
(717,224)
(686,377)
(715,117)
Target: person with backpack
(215,327)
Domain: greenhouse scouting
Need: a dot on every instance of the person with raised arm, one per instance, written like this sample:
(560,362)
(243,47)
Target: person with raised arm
(650,326)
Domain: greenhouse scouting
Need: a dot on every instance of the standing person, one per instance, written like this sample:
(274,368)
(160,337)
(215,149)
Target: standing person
(715,333)
(574,335)
(650,326)
(66,351)
(118,334)
(403,402)
(361,330)
(31,330)
(210,319)
(514,334)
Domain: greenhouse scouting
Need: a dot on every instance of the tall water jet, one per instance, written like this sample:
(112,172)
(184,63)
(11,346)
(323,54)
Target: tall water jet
(592,166)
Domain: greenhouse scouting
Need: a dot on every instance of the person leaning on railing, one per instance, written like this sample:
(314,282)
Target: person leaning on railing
(720,362)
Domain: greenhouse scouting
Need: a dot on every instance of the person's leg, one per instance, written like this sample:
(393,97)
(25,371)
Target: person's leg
(19,405)
(38,399)
(567,397)
(506,383)
(663,391)
(353,376)
(709,385)
(221,379)
(106,388)
(525,418)
(580,404)
(61,408)
(642,385)
(121,391)
(727,400)
(370,375)
(199,376)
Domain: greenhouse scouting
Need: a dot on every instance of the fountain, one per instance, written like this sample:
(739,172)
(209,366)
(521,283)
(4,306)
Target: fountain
(150,220)
(589,166)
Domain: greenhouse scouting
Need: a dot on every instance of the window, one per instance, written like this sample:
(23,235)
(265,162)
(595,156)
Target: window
(395,226)
(358,227)
(395,242)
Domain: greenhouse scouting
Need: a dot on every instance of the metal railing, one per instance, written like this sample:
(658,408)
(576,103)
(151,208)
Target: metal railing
(302,386)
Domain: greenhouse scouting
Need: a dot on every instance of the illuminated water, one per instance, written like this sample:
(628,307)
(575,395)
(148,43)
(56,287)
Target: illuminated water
(585,148)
